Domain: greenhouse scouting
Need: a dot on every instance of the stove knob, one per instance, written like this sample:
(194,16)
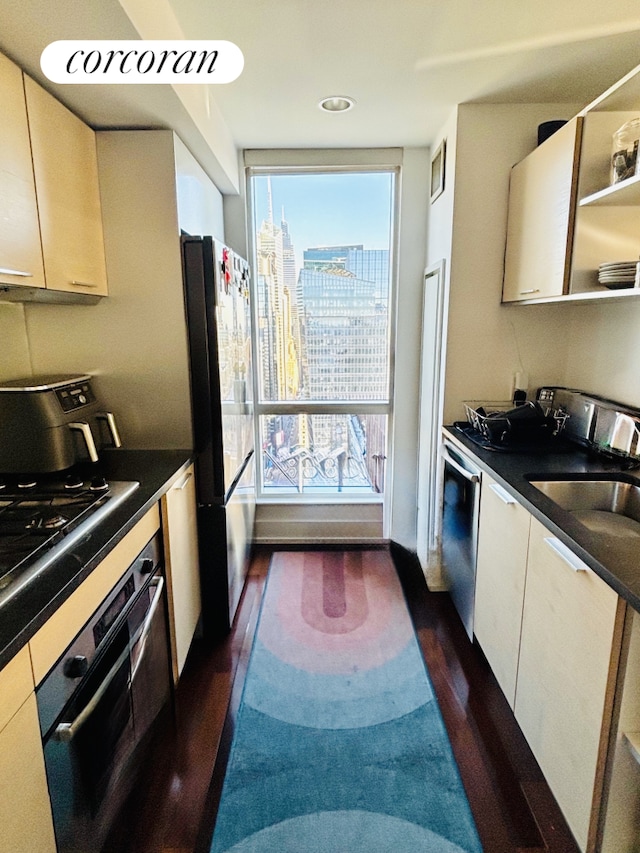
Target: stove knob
(76,667)
(99,484)
(27,484)
(73,481)
(146,567)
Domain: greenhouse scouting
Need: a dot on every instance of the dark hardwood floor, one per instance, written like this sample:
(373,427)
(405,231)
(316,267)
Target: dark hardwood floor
(173,806)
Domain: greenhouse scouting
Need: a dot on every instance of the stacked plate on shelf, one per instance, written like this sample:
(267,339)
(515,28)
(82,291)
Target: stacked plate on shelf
(618,275)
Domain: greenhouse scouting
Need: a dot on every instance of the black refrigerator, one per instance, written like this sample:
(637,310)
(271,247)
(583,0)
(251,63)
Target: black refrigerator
(217,302)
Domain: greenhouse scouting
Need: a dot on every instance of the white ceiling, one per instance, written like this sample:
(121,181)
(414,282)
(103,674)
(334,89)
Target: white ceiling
(406,62)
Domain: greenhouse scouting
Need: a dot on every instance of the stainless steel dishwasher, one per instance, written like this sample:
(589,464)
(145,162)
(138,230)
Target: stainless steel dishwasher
(460,513)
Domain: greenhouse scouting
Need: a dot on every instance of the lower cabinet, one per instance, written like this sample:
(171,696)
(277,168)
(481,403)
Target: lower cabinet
(552,630)
(25,813)
(25,810)
(179,522)
(571,627)
(503,541)
(621,820)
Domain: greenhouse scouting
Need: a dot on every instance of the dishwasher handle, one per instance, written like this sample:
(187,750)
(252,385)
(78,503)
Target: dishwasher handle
(468,475)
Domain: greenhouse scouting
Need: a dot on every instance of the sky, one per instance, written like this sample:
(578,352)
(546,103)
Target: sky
(330,209)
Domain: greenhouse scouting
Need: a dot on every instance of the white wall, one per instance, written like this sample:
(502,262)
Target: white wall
(603,349)
(487,343)
(15,361)
(594,347)
(200,207)
(134,341)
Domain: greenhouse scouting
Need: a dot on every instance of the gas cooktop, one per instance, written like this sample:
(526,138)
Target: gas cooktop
(41,519)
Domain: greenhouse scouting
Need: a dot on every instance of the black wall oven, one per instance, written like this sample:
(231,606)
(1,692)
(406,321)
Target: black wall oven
(98,704)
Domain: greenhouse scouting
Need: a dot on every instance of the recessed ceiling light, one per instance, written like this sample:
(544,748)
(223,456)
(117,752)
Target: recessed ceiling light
(336,104)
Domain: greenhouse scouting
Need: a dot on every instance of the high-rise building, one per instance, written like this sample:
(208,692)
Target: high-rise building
(322,337)
(279,327)
(327,258)
(345,337)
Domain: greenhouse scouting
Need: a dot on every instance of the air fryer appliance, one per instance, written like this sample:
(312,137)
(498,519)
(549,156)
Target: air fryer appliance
(216,284)
(50,498)
(48,423)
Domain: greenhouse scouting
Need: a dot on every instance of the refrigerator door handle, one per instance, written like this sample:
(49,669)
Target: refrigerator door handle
(238,476)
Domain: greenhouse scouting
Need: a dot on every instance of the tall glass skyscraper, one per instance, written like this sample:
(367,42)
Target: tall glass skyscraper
(344,333)
(323,335)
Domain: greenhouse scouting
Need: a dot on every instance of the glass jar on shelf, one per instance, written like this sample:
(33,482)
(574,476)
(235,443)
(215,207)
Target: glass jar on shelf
(624,156)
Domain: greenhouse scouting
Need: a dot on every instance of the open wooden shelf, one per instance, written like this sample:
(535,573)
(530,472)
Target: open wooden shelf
(624,194)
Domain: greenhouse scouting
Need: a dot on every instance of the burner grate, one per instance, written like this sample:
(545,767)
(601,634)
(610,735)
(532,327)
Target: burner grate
(39,524)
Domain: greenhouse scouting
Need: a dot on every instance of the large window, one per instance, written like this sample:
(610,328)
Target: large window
(323,284)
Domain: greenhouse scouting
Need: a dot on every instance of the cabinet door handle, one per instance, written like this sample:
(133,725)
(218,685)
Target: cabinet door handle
(76,283)
(503,494)
(183,484)
(566,554)
(531,290)
(8,271)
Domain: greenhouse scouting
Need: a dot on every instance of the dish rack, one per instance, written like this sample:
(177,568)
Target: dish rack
(478,412)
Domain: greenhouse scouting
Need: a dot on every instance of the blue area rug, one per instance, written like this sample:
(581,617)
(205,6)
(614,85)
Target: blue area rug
(339,746)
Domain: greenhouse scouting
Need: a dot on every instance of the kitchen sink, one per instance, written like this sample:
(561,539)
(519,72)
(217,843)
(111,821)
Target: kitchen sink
(610,507)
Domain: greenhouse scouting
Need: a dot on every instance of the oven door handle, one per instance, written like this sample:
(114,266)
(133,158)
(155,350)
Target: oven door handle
(66,732)
(146,625)
(468,475)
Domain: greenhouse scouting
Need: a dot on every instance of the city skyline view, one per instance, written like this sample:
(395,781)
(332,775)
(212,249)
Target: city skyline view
(323,334)
(328,209)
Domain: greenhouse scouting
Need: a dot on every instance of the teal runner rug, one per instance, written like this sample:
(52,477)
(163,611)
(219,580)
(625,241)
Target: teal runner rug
(339,745)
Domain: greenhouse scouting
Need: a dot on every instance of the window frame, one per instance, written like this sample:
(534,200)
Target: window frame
(296,162)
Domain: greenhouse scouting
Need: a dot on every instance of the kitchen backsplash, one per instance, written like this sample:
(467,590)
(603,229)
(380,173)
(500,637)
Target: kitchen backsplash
(14,360)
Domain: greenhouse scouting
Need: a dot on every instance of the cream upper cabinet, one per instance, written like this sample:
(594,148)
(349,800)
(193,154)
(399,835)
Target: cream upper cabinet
(501,571)
(571,629)
(25,813)
(66,175)
(20,249)
(182,566)
(542,201)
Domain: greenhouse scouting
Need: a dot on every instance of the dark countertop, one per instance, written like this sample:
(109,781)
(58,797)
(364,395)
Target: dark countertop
(614,559)
(156,471)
